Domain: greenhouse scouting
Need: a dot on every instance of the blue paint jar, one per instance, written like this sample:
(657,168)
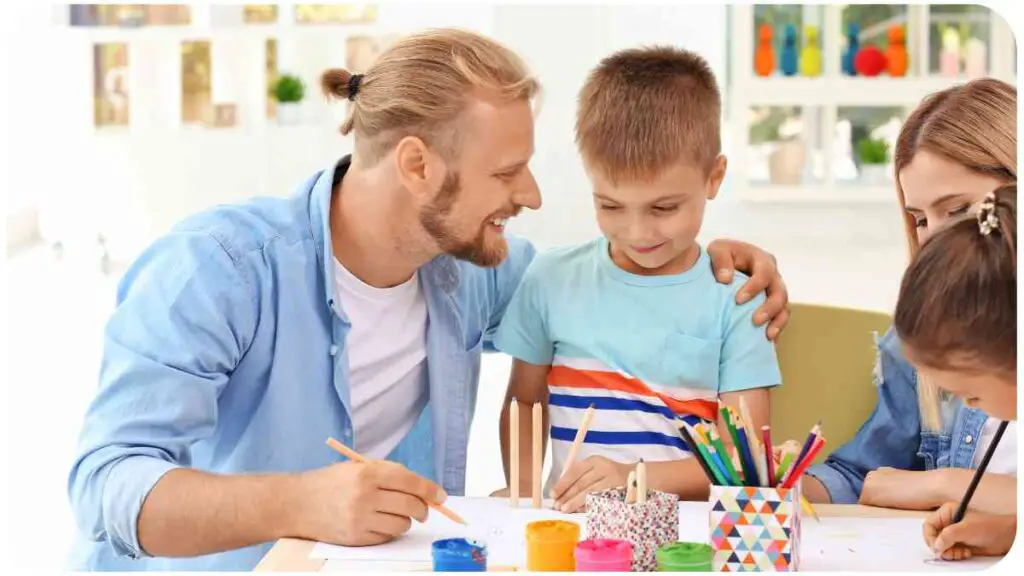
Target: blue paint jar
(459,555)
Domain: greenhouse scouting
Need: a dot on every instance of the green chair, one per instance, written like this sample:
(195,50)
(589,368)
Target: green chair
(826,356)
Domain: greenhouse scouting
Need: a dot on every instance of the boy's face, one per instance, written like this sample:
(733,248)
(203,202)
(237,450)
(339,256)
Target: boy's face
(652,226)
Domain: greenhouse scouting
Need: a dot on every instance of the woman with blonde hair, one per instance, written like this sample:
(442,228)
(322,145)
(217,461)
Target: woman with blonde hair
(919,446)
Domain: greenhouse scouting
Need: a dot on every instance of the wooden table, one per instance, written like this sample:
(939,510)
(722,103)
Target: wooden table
(291,555)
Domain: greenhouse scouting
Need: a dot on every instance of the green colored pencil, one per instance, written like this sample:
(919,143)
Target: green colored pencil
(787,459)
(748,475)
(706,456)
(717,442)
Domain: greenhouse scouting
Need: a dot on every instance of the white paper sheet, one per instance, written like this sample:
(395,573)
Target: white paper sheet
(491,520)
(846,544)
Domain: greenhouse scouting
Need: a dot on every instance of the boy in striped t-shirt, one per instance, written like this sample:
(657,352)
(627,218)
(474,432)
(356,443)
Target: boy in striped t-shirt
(634,322)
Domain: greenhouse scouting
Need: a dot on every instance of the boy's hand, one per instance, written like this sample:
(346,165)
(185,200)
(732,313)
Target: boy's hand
(978,534)
(730,255)
(589,475)
(501,493)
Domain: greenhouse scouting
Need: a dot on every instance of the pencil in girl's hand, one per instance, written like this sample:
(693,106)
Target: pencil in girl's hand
(962,509)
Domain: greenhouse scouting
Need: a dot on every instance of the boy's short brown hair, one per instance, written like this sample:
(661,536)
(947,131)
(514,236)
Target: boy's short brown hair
(643,109)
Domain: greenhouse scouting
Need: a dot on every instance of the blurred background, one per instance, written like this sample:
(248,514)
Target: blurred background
(139,115)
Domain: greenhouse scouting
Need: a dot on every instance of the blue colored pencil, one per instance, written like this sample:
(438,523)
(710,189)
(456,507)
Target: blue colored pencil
(717,460)
(745,454)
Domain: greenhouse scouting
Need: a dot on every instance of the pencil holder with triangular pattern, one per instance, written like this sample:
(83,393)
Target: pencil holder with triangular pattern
(755,529)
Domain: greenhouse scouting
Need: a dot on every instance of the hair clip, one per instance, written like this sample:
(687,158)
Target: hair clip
(987,219)
(353,85)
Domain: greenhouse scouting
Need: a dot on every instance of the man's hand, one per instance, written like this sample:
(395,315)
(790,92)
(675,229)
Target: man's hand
(362,504)
(730,255)
(978,534)
(590,475)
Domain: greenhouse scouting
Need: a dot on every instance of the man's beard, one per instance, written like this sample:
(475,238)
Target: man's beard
(434,220)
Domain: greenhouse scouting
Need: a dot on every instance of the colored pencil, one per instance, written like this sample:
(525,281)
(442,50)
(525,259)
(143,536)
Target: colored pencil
(734,432)
(756,450)
(799,467)
(811,438)
(581,433)
(734,476)
(701,455)
(356,457)
(720,461)
(746,459)
(513,457)
(538,452)
(641,482)
(962,509)
(766,435)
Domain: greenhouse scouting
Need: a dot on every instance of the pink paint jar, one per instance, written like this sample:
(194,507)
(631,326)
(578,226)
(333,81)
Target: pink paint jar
(604,555)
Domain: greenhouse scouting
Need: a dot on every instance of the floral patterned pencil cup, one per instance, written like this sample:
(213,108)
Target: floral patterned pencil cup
(646,526)
(755,529)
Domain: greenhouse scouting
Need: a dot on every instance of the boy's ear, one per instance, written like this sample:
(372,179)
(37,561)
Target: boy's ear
(716,176)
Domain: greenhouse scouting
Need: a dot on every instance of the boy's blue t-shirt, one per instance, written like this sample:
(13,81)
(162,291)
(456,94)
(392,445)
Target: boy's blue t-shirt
(642,349)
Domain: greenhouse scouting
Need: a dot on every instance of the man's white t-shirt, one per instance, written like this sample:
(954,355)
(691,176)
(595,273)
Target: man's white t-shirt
(1004,459)
(387,359)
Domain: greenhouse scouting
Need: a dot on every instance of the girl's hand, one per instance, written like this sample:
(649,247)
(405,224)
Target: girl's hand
(978,534)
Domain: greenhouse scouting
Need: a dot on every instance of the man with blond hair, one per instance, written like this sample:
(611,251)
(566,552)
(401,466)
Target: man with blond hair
(357,308)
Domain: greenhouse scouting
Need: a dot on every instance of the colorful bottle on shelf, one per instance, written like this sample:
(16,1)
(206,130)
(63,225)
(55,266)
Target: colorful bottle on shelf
(810,56)
(949,59)
(788,59)
(852,47)
(764,56)
(896,54)
(975,57)
(869,61)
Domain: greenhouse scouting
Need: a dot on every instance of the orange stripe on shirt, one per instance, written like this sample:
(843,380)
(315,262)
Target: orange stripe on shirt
(572,378)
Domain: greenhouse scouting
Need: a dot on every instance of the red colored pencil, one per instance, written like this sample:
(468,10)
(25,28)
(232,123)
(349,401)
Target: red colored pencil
(799,467)
(766,437)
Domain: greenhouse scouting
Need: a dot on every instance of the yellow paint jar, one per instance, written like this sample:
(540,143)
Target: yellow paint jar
(551,546)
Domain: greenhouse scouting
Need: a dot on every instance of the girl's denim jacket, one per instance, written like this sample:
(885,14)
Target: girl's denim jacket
(893,437)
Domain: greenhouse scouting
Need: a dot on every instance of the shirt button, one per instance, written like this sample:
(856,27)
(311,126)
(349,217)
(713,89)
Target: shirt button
(968,439)
(334,349)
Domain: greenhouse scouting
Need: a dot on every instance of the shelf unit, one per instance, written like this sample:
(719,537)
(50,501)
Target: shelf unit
(830,91)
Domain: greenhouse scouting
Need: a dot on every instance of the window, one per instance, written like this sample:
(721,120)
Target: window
(335,13)
(110,85)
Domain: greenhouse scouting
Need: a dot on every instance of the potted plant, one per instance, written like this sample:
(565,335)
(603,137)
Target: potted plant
(289,91)
(874,159)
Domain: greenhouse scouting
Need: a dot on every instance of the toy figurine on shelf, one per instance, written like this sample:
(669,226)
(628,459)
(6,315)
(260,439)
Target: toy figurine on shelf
(896,54)
(810,56)
(764,56)
(974,59)
(787,62)
(949,59)
(852,47)
(869,61)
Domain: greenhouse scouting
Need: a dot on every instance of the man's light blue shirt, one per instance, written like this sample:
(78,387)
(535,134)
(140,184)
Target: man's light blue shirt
(226,353)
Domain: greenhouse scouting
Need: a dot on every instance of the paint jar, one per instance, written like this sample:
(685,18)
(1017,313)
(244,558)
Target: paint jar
(604,555)
(459,555)
(550,546)
(684,557)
